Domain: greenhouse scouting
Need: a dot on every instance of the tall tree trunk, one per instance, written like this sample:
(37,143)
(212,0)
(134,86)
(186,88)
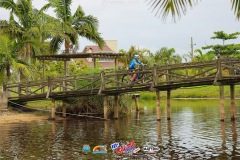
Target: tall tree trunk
(19,75)
(67,45)
(19,70)
(28,49)
(8,72)
(66,70)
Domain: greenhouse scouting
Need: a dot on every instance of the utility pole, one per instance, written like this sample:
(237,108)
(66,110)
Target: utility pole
(192,49)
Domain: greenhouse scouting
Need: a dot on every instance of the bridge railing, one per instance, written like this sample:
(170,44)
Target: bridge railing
(198,71)
(81,83)
(116,80)
(187,72)
(230,67)
(119,81)
(26,89)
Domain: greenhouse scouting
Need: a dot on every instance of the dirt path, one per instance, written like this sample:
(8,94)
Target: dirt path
(16,117)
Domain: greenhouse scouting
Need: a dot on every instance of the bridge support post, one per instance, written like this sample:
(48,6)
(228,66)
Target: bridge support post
(221,88)
(3,100)
(116,63)
(53,110)
(94,63)
(66,69)
(233,108)
(158,106)
(135,96)
(64,109)
(115,107)
(168,104)
(105,107)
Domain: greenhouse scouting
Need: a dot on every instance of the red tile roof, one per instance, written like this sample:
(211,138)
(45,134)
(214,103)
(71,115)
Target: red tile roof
(96,49)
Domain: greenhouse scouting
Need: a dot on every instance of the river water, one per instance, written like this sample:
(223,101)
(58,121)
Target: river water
(194,132)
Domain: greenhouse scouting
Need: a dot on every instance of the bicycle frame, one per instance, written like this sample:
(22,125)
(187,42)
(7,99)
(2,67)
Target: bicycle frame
(138,76)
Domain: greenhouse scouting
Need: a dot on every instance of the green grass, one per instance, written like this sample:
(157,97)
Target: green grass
(193,92)
(43,104)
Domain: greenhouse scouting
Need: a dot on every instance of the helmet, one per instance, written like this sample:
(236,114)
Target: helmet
(136,56)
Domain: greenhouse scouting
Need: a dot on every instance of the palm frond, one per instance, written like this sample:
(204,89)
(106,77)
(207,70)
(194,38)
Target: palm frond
(8,4)
(55,43)
(87,20)
(4,48)
(62,9)
(176,8)
(236,8)
(92,35)
(78,13)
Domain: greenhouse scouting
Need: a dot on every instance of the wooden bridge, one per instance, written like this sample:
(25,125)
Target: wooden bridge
(223,71)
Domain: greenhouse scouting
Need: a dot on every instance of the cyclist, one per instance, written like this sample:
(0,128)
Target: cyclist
(132,65)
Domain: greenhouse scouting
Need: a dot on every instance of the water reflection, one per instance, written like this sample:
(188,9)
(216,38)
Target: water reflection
(106,129)
(192,133)
(53,128)
(137,115)
(223,132)
(234,139)
(116,129)
(159,132)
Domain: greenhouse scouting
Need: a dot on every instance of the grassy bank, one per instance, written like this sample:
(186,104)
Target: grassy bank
(194,92)
(43,104)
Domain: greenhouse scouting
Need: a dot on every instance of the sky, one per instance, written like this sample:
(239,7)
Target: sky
(132,22)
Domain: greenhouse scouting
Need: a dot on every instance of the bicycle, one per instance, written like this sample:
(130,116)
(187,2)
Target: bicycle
(126,78)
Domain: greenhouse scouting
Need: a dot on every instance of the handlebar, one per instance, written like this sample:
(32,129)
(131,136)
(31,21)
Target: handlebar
(141,66)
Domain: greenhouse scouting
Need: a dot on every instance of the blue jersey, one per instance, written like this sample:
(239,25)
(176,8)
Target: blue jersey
(133,63)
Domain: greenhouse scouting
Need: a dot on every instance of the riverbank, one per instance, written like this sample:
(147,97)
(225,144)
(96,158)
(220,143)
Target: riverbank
(12,116)
(198,92)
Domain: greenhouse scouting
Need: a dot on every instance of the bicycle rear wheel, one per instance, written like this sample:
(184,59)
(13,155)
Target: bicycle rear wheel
(125,79)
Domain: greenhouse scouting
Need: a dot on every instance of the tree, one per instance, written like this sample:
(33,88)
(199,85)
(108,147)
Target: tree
(166,56)
(9,62)
(204,57)
(224,36)
(178,7)
(26,29)
(224,49)
(74,25)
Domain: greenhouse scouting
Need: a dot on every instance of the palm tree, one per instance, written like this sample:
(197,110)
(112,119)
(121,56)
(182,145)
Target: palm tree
(9,62)
(204,57)
(178,7)
(166,56)
(26,25)
(74,25)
